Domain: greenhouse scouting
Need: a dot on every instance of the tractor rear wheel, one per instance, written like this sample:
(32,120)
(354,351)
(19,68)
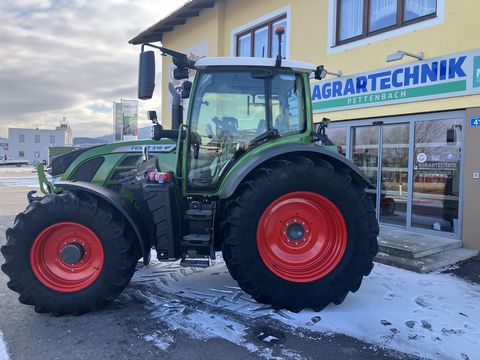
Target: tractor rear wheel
(299,233)
(69,254)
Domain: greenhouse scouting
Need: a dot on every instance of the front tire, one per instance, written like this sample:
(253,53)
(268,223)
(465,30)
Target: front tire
(69,254)
(299,233)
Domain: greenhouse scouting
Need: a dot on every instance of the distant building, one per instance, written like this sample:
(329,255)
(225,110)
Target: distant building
(33,144)
(3,146)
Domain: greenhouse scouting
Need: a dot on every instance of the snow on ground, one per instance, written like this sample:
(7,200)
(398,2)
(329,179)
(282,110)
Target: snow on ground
(21,171)
(30,182)
(3,348)
(429,315)
(18,176)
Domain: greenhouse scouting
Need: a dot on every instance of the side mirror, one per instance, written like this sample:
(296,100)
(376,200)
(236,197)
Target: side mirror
(186,88)
(146,75)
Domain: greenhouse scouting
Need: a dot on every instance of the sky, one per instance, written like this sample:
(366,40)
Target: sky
(71,58)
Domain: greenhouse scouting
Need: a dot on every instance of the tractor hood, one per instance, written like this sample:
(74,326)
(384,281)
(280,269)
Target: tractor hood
(105,164)
(61,163)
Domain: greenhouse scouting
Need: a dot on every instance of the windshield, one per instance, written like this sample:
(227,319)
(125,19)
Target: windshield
(230,111)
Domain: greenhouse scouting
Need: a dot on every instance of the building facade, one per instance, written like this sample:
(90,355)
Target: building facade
(403,91)
(33,144)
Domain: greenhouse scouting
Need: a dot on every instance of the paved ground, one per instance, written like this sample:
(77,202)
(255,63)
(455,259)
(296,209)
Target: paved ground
(139,323)
(468,270)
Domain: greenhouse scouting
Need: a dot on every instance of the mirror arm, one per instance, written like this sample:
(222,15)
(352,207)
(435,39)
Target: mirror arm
(182,58)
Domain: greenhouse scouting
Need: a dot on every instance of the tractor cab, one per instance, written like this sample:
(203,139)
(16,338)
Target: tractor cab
(235,105)
(235,108)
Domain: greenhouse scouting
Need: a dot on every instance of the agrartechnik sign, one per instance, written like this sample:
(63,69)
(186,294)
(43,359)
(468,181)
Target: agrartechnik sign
(447,76)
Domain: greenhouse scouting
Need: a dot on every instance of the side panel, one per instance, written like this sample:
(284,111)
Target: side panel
(241,170)
(119,203)
(164,150)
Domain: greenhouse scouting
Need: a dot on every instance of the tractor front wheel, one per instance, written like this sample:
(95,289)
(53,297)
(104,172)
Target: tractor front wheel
(299,233)
(69,253)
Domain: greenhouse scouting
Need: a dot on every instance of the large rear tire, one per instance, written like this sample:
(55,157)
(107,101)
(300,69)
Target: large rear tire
(299,233)
(69,254)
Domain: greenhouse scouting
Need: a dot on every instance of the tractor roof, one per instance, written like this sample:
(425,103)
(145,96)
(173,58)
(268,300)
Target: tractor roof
(251,61)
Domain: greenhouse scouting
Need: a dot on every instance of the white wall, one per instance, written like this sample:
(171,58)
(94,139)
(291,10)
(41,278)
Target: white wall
(30,148)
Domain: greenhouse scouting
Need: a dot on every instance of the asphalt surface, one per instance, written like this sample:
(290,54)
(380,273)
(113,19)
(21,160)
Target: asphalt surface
(123,329)
(468,270)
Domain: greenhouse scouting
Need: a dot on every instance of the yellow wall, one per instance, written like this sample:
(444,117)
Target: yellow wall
(206,27)
(309,41)
(309,22)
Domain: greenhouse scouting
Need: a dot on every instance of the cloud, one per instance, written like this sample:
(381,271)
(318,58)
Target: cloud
(71,58)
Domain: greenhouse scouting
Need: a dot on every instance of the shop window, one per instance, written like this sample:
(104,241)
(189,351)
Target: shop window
(21,138)
(37,139)
(338,136)
(357,19)
(261,40)
(436,175)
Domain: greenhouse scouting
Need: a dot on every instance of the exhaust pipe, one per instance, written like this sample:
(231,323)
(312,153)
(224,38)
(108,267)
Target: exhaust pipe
(177,107)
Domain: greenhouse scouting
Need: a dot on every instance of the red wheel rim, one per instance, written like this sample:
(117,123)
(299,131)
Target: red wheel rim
(301,236)
(48,259)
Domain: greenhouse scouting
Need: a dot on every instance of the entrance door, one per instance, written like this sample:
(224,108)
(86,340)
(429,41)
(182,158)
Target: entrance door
(394,174)
(437,175)
(415,165)
(382,152)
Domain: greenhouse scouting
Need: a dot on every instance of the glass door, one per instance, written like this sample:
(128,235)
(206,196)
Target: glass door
(365,154)
(382,152)
(394,174)
(414,163)
(437,175)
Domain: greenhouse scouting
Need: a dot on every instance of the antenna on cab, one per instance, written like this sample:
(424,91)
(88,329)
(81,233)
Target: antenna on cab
(279,31)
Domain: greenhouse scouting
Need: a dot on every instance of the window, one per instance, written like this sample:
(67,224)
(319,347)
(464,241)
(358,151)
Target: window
(357,19)
(230,112)
(21,138)
(21,154)
(261,40)
(52,139)
(37,154)
(37,139)
(338,135)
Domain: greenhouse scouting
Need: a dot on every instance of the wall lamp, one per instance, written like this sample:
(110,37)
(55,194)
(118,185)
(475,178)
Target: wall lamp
(337,74)
(320,73)
(400,54)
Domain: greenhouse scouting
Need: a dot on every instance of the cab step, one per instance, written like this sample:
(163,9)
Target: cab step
(194,240)
(199,214)
(196,263)
(198,243)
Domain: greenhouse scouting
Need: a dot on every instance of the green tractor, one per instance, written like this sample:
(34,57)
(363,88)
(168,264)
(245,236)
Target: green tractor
(245,174)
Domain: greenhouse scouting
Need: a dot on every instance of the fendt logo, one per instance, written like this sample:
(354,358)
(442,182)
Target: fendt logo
(160,148)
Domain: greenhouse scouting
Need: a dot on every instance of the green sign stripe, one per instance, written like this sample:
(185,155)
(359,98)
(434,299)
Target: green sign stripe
(393,95)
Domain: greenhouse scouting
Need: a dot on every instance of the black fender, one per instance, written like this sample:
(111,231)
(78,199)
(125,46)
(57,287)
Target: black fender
(277,151)
(118,202)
